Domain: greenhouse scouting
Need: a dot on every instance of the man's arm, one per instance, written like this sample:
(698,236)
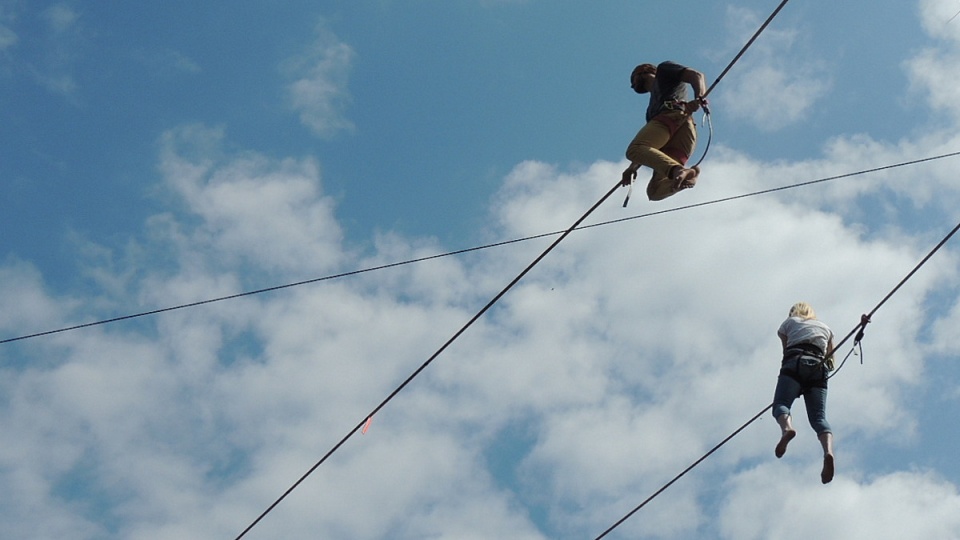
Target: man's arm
(696,80)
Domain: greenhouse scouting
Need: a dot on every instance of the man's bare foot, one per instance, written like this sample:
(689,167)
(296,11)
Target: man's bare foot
(684,178)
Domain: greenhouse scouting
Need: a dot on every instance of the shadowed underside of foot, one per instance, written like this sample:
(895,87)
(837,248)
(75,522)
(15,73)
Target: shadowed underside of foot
(784,440)
(826,475)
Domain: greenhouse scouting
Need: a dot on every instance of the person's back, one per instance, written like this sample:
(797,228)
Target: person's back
(798,330)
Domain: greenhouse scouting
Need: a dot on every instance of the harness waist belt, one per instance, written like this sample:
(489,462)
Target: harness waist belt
(804,349)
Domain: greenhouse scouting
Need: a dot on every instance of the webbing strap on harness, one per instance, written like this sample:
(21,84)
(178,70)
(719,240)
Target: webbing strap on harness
(805,349)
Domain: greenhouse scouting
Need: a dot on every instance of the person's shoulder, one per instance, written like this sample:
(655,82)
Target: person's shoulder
(670,64)
(788,322)
(823,325)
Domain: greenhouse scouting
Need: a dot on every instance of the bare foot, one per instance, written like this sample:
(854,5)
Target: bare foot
(826,475)
(785,439)
(684,178)
(693,181)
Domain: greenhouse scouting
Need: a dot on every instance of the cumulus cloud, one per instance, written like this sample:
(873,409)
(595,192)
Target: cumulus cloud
(939,19)
(900,505)
(619,360)
(252,206)
(22,285)
(774,85)
(932,70)
(318,91)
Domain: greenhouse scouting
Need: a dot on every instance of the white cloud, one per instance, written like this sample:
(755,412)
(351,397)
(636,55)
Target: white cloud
(766,503)
(939,19)
(621,358)
(253,209)
(626,354)
(944,329)
(773,86)
(21,285)
(932,73)
(318,91)
(60,17)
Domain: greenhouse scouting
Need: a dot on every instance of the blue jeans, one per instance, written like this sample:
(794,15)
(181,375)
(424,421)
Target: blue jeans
(815,399)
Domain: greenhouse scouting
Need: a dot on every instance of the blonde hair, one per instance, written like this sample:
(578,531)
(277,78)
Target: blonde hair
(802,310)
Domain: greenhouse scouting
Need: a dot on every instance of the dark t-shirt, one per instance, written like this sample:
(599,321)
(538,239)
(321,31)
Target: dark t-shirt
(668,87)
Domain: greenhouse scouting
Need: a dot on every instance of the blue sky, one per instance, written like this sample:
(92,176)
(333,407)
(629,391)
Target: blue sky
(159,155)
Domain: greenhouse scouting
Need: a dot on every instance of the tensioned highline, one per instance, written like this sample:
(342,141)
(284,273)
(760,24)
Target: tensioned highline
(465,250)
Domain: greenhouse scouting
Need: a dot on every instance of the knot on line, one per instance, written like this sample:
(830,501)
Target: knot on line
(864,321)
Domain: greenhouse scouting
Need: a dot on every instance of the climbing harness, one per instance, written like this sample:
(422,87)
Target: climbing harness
(807,363)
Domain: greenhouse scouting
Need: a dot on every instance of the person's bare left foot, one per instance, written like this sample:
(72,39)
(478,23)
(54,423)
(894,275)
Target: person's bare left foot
(685,178)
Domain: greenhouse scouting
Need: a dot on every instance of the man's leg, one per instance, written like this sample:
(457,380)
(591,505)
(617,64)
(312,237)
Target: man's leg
(678,148)
(645,147)
(681,147)
(660,187)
